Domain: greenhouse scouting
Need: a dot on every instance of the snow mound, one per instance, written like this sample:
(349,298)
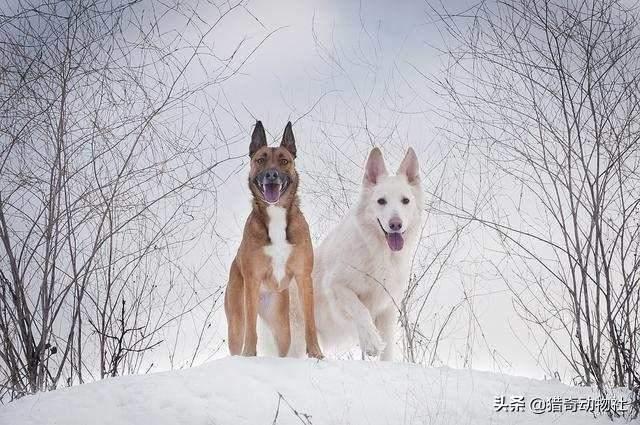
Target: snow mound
(265,390)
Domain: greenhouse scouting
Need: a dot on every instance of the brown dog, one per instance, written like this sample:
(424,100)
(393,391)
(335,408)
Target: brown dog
(275,248)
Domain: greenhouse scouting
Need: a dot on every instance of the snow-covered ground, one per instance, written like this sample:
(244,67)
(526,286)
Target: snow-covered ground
(239,391)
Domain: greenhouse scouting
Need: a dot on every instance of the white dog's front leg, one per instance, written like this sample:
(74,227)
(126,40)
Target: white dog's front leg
(386,324)
(370,341)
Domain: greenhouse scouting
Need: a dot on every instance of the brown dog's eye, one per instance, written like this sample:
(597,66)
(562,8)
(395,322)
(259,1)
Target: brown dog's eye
(260,161)
(405,201)
(284,161)
(382,201)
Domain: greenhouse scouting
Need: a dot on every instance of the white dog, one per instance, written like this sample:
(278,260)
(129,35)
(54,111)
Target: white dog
(362,267)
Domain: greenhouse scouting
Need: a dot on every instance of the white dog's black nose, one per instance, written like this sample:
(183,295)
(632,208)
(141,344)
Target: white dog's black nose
(395,224)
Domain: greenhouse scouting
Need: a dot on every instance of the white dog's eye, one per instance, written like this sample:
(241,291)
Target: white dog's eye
(405,201)
(382,201)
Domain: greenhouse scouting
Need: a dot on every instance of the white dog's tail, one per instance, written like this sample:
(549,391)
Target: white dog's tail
(298,346)
(266,342)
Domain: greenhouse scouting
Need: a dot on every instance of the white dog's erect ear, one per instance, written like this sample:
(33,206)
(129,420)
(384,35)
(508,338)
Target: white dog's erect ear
(375,168)
(410,167)
(258,138)
(288,141)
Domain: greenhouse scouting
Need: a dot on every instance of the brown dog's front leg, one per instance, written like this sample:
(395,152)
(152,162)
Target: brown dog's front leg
(251,299)
(234,310)
(305,292)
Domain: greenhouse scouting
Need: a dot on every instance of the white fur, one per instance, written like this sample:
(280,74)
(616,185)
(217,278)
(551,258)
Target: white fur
(358,280)
(279,249)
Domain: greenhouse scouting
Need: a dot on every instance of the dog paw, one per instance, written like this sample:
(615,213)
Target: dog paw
(315,353)
(371,343)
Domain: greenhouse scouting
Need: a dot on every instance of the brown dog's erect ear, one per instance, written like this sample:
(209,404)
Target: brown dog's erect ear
(288,141)
(409,167)
(375,168)
(258,138)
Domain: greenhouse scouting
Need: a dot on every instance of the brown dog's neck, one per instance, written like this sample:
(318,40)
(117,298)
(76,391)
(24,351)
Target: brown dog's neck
(290,205)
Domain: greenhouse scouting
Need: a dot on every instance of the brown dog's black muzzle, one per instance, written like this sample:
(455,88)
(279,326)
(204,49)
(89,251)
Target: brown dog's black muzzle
(272,183)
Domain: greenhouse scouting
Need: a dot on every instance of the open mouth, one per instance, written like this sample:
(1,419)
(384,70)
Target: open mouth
(395,240)
(271,192)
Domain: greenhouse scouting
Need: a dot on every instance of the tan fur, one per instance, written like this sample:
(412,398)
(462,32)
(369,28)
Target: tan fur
(252,269)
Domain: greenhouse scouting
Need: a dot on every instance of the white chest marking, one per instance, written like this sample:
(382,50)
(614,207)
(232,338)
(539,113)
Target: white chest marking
(279,249)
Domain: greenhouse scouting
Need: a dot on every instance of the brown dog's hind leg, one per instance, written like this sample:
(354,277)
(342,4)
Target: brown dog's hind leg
(305,292)
(234,309)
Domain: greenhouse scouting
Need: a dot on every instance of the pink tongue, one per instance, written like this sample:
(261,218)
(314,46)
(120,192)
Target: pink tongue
(395,241)
(271,192)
